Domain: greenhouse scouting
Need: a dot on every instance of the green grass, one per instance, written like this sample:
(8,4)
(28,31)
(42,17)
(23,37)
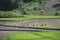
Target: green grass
(28,17)
(46,27)
(35,36)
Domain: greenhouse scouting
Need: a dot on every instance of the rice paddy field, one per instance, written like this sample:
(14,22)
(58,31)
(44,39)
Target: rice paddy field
(34,36)
(36,23)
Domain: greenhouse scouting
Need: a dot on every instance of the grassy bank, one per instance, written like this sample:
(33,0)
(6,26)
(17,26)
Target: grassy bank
(28,17)
(35,36)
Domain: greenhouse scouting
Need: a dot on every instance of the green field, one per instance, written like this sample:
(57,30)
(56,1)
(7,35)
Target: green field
(28,17)
(35,36)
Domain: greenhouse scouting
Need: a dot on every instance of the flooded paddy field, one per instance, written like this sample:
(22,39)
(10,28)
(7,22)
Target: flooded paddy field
(44,23)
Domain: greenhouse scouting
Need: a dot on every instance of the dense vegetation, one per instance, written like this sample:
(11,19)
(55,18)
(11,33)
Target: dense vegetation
(17,8)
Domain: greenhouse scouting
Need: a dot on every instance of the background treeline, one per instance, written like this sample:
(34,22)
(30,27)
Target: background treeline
(18,8)
(8,5)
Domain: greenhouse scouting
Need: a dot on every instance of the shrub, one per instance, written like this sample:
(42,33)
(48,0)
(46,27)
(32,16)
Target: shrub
(57,14)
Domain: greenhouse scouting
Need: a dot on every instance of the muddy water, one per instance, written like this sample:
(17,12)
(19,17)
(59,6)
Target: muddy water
(35,22)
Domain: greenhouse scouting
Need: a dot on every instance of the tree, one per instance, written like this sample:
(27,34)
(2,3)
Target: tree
(7,5)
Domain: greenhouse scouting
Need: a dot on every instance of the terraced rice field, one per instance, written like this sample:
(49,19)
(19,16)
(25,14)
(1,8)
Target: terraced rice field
(40,23)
